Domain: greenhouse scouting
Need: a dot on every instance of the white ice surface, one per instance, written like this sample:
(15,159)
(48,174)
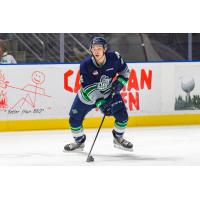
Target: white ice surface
(152,146)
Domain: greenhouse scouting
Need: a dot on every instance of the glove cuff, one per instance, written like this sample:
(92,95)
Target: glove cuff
(100,102)
(122,80)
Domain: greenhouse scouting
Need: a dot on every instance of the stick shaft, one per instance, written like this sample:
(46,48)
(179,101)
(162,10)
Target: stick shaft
(96,135)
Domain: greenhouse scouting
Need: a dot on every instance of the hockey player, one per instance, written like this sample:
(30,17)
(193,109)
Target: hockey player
(100,90)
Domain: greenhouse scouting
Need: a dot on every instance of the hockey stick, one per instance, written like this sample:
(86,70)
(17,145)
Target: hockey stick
(90,158)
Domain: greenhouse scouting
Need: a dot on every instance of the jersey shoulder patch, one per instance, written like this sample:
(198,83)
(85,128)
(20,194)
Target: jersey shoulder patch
(117,54)
(119,57)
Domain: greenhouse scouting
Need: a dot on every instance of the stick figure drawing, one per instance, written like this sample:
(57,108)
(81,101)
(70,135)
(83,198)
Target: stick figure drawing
(32,91)
(3,92)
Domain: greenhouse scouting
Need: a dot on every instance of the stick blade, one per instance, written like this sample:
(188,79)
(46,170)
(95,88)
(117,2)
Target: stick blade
(90,159)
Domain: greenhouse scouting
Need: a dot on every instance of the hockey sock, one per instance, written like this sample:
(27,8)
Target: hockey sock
(78,134)
(119,128)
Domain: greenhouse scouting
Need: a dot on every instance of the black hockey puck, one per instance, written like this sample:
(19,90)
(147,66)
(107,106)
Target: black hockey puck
(90,159)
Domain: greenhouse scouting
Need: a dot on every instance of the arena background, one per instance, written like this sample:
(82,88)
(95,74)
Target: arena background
(162,90)
(73,47)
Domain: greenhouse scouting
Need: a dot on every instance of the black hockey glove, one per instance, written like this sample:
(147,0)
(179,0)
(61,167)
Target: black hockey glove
(104,106)
(119,83)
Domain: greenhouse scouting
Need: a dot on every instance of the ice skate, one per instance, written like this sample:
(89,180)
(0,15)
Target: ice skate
(123,144)
(75,147)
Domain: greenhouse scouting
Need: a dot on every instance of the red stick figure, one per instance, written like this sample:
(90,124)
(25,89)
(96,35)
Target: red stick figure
(3,93)
(3,82)
(3,100)
(38,78)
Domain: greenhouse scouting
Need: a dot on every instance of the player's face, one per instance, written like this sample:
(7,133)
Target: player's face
(97,51)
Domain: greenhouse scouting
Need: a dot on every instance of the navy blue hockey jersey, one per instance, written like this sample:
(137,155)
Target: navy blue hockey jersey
(97,80)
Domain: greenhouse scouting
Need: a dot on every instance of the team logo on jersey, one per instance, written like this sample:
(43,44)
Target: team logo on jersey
(95,73)
(105,83)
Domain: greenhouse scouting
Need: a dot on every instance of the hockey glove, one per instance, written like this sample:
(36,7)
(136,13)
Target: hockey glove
(119,83)
(104,106)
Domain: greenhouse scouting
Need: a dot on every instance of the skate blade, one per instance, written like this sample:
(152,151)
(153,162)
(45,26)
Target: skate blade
(123,148)
(74,151)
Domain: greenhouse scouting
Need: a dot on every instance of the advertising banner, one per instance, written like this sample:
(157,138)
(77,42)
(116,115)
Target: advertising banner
(46,91)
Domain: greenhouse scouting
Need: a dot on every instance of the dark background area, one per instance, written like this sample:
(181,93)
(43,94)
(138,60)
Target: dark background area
(73,47)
